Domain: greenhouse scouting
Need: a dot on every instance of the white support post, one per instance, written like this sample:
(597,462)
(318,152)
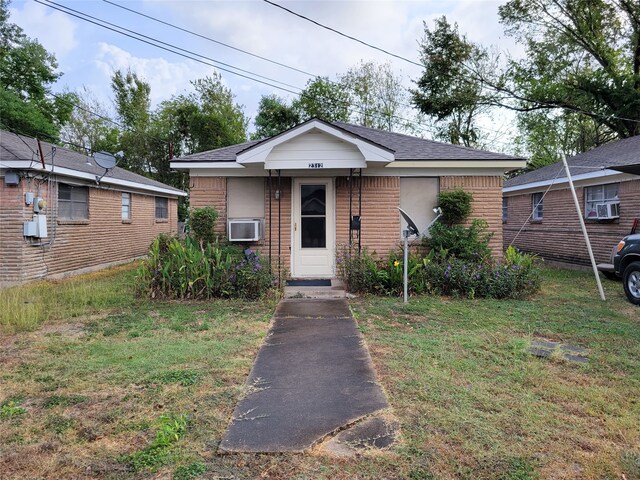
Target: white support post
(405,234)
(584,229)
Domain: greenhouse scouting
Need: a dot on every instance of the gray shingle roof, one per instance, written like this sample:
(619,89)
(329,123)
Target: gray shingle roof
(15,147)
(616,154)
(404,147)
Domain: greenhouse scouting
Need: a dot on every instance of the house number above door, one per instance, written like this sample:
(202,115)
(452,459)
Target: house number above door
(316,165)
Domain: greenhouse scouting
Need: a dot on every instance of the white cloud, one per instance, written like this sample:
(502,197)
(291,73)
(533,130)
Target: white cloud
(54,30)
(164,77)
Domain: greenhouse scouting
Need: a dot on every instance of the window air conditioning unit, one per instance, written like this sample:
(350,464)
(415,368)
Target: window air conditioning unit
(244,230)
(608,210)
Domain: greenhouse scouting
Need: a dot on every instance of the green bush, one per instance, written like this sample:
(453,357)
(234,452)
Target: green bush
(439,274)
(186,269)
(466,243)
(455,205)
(201,224)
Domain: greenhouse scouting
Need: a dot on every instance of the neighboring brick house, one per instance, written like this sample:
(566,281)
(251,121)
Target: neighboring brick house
(57,219)
(301,194)
(608,189)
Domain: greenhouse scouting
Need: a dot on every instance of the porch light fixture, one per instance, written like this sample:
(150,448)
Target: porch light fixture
(276,194)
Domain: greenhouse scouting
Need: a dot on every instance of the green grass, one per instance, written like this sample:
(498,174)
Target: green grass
(107,386)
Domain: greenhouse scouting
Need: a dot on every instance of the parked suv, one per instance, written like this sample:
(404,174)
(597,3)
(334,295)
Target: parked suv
(626,264)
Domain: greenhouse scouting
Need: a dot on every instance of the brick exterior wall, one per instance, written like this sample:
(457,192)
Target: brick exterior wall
(104,238)
(380,219)
(487,203)
(210,192)
(558,236)
(380,222)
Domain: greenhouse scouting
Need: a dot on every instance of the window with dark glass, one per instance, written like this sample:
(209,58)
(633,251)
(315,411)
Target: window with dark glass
(162,207)
(537,199)
(505,209)
(313,216)
(73,202)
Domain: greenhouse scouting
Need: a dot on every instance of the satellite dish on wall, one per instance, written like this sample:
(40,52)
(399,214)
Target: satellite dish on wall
(411,226)
(105,160)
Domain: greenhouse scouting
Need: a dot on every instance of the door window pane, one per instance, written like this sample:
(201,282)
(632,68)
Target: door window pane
(313,200)
(313,232)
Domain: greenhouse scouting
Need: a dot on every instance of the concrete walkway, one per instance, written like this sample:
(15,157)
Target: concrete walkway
(312,376)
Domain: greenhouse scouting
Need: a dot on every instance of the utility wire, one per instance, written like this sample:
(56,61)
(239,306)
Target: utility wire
(151,40)
(466,67)
(190,32)
(190,52)
(343,34)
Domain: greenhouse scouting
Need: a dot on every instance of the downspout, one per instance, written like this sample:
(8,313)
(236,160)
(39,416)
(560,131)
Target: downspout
(350,209)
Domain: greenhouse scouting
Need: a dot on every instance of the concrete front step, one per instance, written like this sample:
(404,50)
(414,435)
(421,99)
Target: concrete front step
(336,290)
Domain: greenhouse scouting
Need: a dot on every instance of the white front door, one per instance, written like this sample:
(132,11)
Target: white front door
(313,228)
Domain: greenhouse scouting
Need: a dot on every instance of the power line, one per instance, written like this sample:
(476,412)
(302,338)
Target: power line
(171,45)
(190,32)
(151,40)
(79,16)
(343,34)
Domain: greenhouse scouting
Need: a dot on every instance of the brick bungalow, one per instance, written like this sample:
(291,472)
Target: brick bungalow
(301,194)
(57,219)
(608,189)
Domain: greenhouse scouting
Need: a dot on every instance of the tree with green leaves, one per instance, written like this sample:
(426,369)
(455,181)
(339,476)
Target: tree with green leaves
(323,99)
(275,115)
(582,56)
(27,71)
(89,128)
(445,91)
(376,95)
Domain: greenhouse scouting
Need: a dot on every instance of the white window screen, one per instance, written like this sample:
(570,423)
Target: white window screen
(73,202)
(126,206)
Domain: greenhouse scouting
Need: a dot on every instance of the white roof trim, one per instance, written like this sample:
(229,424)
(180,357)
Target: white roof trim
(29,165)
(561,180)
(260,152)
(198,165)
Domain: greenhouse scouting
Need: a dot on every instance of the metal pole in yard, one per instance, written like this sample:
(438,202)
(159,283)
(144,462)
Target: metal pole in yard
(584,229)
(405,234)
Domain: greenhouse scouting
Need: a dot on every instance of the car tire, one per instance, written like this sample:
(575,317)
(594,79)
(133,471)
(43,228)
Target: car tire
(631,282)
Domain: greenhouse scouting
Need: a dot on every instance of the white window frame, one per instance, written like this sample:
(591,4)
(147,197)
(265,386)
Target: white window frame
(604,193)
(537,204)
(126,206)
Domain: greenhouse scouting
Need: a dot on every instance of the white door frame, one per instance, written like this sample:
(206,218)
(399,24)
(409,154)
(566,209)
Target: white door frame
(321,264)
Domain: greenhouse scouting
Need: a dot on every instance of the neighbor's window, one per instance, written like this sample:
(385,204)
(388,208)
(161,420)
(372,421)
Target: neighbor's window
(599,194)
(73,202)
(126,206)
(537,202)
(505,209)
(162,207)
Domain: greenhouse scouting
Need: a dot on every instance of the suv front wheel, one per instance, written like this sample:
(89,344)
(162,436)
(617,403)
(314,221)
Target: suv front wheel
(631,281)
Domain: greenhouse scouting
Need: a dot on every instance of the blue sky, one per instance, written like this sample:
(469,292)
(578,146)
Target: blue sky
(88,54)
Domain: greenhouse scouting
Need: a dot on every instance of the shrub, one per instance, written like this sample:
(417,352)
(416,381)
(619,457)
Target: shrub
(455,205)
(186,269)
(201,224)
(467,243)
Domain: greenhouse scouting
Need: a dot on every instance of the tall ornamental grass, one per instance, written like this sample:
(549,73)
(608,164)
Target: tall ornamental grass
(189,269)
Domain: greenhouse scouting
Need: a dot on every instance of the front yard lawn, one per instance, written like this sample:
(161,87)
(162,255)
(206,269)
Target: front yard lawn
(110,386)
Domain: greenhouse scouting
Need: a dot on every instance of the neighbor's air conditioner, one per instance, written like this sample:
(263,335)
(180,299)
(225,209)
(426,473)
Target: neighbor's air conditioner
(244,230)
(608,210)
